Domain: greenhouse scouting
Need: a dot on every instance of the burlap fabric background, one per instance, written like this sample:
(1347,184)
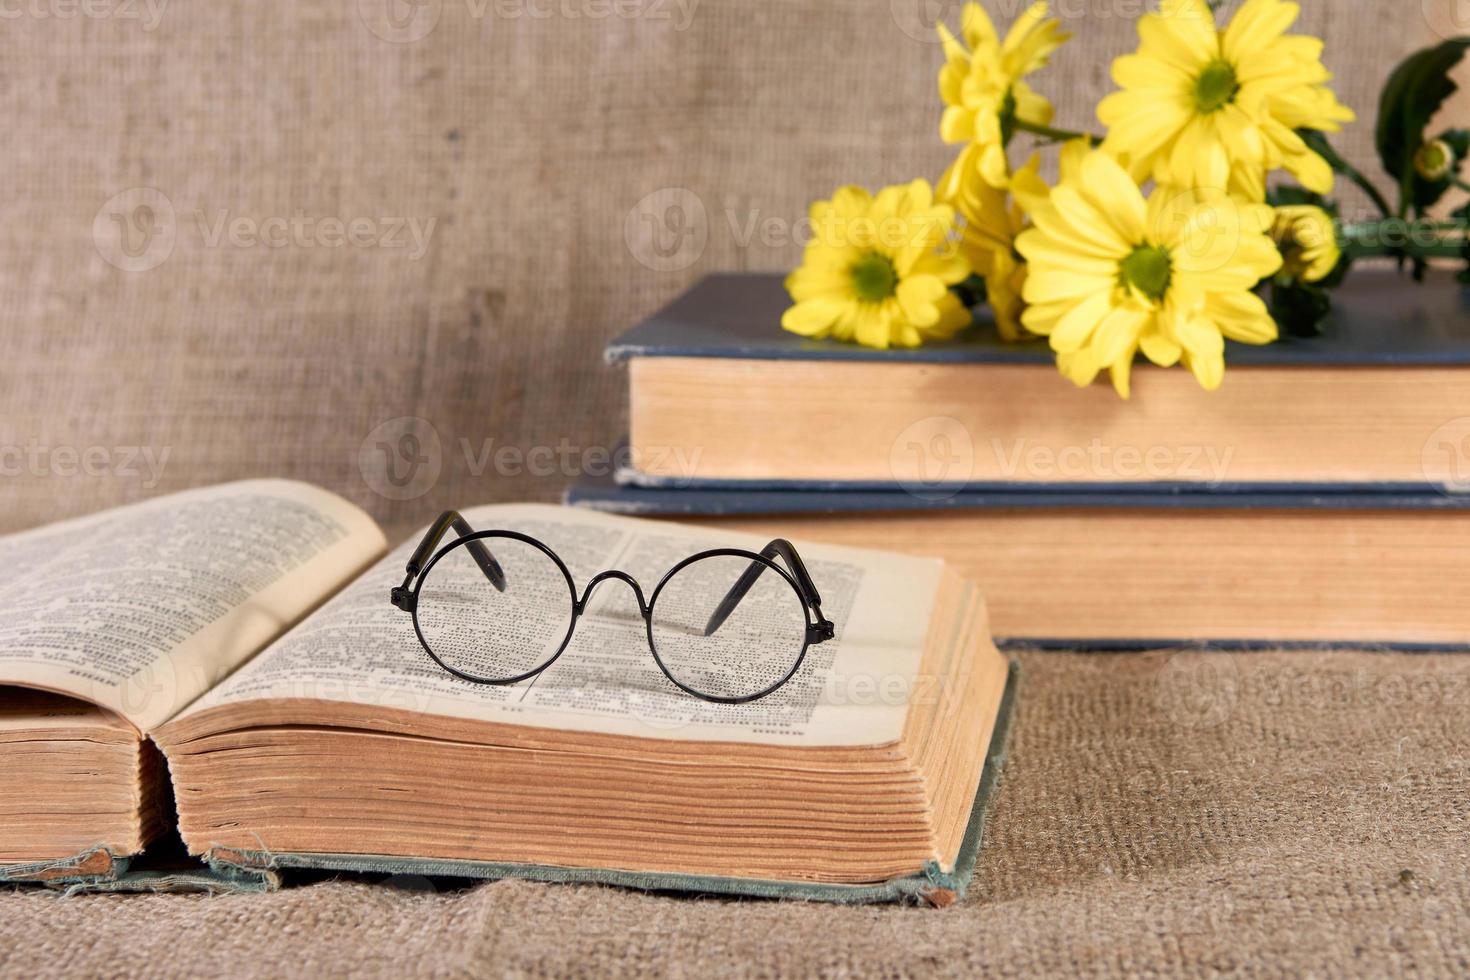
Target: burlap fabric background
(176,313)
(579,167)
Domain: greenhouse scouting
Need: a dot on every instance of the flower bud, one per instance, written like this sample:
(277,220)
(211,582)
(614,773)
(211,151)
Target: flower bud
(1434,160)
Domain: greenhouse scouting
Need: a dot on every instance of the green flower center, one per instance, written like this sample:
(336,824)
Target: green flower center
(873,277)
(1215,87)
(1147,269)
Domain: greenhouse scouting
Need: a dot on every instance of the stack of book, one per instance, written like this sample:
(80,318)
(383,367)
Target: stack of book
(1319,497)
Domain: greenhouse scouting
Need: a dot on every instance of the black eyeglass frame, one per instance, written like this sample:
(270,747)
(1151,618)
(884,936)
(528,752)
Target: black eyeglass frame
(819,629)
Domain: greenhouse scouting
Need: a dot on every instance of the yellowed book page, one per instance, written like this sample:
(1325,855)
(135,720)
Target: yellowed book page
(143,608)
(854,690)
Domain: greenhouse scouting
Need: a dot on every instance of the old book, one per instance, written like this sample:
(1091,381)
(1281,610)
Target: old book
(720,395)
(1126,570)
(123,619)
(244,637)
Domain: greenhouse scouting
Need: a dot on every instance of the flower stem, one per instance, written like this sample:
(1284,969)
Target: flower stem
(1353,174)
(1318,143)
(1051,133)
(1405,239)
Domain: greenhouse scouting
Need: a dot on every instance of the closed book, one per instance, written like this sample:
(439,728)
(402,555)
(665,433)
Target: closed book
(720,395)
(1107,570)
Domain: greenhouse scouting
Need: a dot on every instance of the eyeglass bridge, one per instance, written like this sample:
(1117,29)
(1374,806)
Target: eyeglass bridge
(613,573)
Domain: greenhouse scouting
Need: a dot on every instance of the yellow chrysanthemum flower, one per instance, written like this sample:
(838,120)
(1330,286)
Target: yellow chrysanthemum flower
(1111,274)
(878,269)
(1307,240)
(982,88)
(989,226)
(1205,108)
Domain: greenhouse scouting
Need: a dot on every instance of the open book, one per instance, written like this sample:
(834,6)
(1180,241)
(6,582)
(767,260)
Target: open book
(240,640)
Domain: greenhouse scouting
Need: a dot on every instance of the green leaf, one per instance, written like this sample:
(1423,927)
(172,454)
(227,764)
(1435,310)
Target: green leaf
(1411,97)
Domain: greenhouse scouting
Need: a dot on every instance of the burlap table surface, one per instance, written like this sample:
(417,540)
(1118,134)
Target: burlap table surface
(1164,813)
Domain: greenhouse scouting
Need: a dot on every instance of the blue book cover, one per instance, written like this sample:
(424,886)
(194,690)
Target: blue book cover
(1379,317)
(611,497)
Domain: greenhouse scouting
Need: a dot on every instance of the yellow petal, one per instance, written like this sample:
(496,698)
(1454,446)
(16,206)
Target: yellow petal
(1167,37)
(847,202)
(1158,348)
(1114,194)
(1070,159)
(1208,369)
(975,24)
(1242,316)
(1080,367)
(948,266)
(871,328)
(953,52)
(1137,71)
(1255,25)
(1046,285)
(1122,371)
(1118,333)
(813,317)
(956,125)
(1087,222)
(917,296)
(1074,329)
(1312,171)
(993,166)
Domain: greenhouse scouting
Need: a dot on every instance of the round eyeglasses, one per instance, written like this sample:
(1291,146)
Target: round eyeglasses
(499,607)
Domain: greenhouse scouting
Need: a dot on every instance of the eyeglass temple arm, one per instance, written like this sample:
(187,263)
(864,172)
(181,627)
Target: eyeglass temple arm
(785,550)
(478,551)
